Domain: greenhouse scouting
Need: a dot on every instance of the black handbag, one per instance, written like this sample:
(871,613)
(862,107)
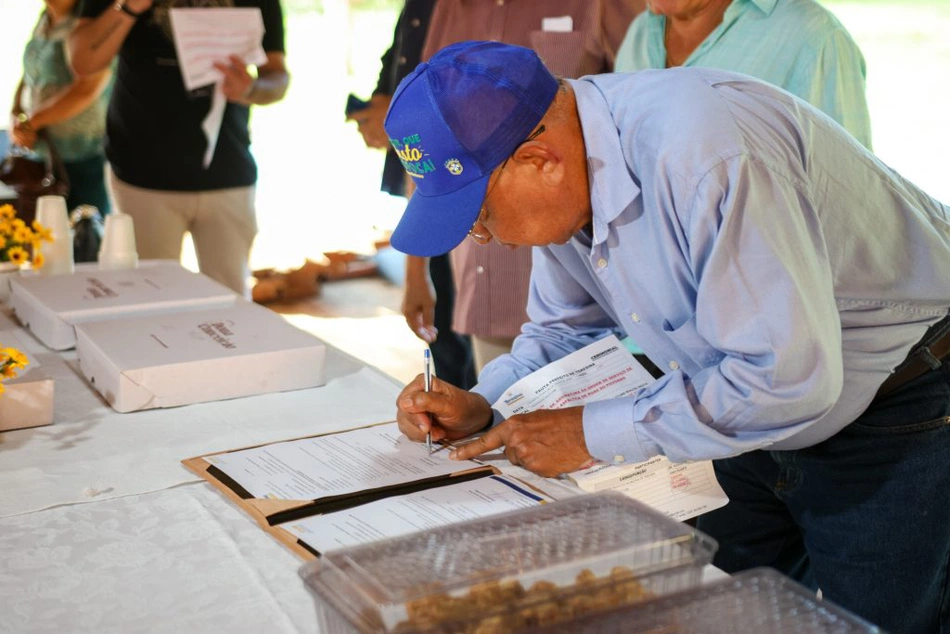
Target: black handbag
(88,227)
(30,178)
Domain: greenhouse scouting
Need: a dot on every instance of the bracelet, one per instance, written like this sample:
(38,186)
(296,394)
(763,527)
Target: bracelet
(24,120)
(250,91)
(120,6)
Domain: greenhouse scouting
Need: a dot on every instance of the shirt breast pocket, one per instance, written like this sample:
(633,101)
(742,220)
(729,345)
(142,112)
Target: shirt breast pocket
(691,344)
(562,53)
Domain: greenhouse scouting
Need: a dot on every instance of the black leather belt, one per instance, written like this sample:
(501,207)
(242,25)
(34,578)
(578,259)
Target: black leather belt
(925,356)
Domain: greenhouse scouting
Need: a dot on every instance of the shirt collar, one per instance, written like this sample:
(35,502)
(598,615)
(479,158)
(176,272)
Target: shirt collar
(612,187)
(765,6)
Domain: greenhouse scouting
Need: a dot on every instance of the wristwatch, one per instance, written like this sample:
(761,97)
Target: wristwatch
(121,6)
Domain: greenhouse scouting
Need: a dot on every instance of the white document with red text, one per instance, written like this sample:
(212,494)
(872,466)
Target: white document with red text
(602,370)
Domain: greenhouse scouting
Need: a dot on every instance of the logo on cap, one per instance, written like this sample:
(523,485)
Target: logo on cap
(454,166)
(413,157)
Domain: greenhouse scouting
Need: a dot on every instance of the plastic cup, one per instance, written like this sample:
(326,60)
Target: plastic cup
(118,243)
(51,213)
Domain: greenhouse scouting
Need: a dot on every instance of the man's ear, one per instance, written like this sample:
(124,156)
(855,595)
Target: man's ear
(543,157)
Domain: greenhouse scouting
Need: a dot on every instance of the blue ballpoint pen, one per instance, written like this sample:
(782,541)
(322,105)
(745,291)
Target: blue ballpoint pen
(428,383)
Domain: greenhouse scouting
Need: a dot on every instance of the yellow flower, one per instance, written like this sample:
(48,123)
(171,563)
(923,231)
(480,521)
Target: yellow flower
(11,362)
(17,357)
(41,232)
(7,211)
(3,241)
(18,255)
(23,235)
(17,223)
(38,259)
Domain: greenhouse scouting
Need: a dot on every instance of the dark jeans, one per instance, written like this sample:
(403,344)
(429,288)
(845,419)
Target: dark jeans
(87,184)
(864,515)
(451,352)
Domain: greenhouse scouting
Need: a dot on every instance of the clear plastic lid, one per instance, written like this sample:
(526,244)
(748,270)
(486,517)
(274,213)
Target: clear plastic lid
(757,600)
(538,565)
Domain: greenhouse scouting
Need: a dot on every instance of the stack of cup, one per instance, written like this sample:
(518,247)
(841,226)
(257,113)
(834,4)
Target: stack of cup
(51,213)
(118,243)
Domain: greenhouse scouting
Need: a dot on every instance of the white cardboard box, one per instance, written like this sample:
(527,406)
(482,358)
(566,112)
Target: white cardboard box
(196,356)
(27,401)
(28,398)
(50,306)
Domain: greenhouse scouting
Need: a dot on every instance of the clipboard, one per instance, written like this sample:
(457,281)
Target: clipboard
(271,514)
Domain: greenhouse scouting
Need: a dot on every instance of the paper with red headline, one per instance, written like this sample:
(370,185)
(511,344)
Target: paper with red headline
(602,370)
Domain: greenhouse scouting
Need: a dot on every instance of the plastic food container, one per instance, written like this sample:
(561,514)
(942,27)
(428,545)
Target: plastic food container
(758,600)
(538,566)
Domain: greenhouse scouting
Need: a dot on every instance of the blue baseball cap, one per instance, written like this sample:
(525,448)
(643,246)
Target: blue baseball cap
(452,121)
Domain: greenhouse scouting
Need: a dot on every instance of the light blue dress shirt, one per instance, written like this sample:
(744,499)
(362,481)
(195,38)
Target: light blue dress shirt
(772,266)
(797,45)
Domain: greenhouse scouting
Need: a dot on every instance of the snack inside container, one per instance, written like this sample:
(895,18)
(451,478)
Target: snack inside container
(537,566)
(757,600)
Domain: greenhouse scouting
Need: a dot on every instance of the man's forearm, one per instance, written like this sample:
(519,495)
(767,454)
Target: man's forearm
(268,88)
(94,42)
(417,269)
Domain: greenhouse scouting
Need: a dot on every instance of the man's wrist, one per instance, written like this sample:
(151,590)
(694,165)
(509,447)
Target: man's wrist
(248,94)
(123,7)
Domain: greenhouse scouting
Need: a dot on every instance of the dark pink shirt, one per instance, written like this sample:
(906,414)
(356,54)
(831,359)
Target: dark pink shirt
(492,281)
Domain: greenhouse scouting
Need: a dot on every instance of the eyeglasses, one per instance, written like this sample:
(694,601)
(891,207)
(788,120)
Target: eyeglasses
(485,238)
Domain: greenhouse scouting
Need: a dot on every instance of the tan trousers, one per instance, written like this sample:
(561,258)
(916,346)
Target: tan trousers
(484,349)
(222,224)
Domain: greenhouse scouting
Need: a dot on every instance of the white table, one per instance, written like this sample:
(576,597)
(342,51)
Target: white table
(102,529)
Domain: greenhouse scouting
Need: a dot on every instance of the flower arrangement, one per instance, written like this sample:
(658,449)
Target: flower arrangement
(20,243)
(11,362)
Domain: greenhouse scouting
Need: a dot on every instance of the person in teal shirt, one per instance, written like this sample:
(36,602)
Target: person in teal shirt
(797,45)
(70,110)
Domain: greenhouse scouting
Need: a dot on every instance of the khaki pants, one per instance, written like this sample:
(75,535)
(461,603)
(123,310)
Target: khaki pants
(487,348)
(222,224)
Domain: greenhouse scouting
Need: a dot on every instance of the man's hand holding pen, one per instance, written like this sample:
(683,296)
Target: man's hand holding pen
(546,442)
(446,411)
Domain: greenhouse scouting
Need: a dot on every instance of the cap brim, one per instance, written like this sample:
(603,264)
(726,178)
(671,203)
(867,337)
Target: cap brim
(433,225)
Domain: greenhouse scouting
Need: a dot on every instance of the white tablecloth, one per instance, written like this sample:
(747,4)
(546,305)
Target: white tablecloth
(103,530)
(179,561)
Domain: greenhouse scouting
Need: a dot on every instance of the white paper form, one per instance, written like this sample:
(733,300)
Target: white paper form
(602,370)
(335,464)
(417,511)
(205,36)
(682,490)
